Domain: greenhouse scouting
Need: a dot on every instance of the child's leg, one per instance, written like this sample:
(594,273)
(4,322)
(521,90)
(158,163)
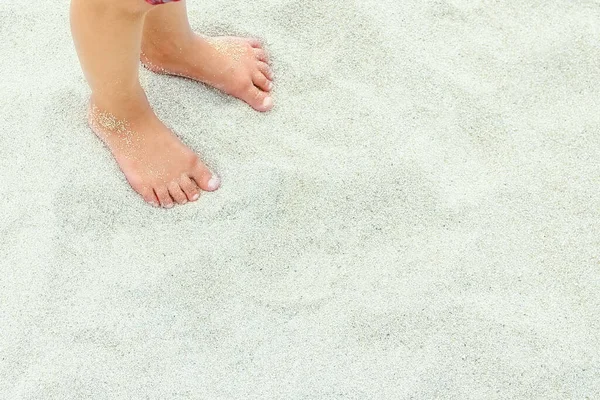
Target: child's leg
(107,35)
(236,66)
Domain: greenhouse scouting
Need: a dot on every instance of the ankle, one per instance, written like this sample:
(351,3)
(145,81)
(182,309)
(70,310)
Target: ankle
(162,50)
(112,114)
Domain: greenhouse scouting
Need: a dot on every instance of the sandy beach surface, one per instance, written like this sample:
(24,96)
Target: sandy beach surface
(418,218)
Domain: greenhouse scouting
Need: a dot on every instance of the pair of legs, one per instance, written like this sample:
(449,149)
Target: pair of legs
(111,36)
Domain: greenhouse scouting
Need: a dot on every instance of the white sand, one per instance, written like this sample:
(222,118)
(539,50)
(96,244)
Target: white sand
(418,218)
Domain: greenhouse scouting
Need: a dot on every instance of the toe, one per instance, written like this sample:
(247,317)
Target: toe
(176,193)
(164,197)
(189,188)
(261,55)
(261,81)
(257,44)
(206,179)
(258,99)
(149,196)
(266,70)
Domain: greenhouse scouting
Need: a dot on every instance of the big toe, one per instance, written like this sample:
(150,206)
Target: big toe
(205,179)
(258,99)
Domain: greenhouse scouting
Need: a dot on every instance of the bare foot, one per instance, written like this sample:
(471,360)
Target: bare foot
(236,66)
(155,162)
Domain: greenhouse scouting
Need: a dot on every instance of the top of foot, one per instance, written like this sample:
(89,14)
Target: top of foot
(236,66)
(155,162)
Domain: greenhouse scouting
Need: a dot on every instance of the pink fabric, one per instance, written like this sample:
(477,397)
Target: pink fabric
(154,2)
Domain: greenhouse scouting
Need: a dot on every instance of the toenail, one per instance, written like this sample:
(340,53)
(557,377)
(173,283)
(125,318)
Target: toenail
(268,102)
(214,183)
(169,205)
(270,86)
(195,197)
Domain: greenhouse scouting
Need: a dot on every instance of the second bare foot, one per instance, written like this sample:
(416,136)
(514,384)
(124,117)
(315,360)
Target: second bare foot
(236,66)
